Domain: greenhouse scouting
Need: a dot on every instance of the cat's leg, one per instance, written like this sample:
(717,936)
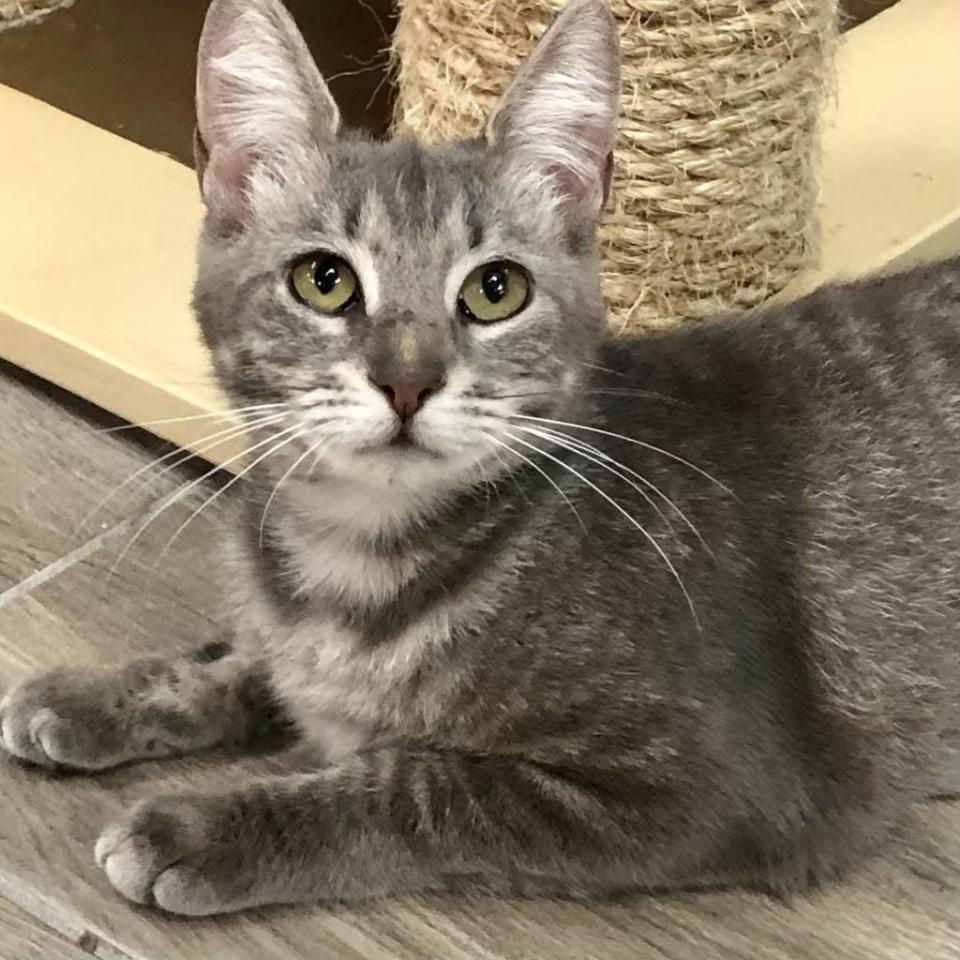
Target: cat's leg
(92,718)
(390,822)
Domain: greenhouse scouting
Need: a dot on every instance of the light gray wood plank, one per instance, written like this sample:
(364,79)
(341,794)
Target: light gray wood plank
(23,937)
(57,464)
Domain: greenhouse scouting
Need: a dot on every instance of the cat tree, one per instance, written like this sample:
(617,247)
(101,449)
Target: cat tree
(715,175)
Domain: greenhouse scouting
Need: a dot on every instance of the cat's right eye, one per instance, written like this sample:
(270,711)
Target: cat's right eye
(324,282)
(494,291)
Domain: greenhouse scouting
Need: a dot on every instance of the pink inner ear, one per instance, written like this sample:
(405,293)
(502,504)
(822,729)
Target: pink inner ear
(224,180)
(567,183)
(210,91)
(592,177)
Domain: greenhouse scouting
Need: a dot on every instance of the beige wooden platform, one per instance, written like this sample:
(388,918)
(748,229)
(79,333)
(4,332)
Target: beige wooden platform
(59,601)
(96,250)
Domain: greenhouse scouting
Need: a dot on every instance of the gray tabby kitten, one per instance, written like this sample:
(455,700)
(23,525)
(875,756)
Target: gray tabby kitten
(561,614)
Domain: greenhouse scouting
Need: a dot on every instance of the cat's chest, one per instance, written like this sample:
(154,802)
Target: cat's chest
(379,644)
(334,567)
(346,691)
(346,685)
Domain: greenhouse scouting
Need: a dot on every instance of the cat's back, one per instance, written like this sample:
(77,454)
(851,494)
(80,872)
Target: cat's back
(897,334)
(843,407)
(868,370)
(885,335)
(836,421)
(858,373)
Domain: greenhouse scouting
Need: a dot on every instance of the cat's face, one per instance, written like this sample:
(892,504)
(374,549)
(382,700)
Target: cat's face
(402,302)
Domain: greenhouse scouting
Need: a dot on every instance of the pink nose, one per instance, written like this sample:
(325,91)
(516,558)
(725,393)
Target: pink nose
(408,396)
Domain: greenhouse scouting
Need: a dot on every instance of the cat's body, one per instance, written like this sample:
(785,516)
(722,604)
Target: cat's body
(829,424)
(822,667)
(726,648)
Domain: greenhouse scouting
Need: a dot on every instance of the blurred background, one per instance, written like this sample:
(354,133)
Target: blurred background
(127,65)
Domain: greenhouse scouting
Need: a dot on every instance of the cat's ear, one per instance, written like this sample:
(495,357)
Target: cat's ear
(556,124)
(260,99)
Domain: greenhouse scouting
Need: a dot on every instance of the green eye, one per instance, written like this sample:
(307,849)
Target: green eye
(494,291)
(324,282)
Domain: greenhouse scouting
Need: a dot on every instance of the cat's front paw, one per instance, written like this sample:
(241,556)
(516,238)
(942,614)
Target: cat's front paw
(61,719)
(186,854)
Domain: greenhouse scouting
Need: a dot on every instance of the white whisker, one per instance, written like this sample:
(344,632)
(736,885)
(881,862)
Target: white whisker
(635,392)
(602,369)
(584,446)
(633,521)
(490,485)
(199,447)
(639,443)
(511,474)
(280,482)
(299,431)
(589,391)
(220,414)
(203,446)
(316,461)
(485,480)
(573,446)
(179,494)
(542,472)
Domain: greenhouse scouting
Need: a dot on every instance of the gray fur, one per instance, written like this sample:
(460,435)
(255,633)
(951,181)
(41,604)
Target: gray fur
(511,688)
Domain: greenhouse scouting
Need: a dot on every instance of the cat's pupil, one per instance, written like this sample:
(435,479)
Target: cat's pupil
(326,277)
(495,285)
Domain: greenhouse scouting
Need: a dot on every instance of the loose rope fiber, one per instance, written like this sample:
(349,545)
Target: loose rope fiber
(16,13)
(715,181)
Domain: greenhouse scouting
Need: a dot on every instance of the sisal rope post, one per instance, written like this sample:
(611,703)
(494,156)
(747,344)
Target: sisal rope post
(715,183)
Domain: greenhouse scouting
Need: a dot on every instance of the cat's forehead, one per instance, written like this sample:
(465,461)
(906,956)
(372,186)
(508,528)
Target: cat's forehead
(405,187)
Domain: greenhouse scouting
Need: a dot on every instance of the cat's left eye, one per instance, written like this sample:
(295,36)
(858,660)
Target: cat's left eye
(494,291)
(324,282)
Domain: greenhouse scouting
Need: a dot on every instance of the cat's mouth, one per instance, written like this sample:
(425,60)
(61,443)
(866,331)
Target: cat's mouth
(402,443)
(402,439)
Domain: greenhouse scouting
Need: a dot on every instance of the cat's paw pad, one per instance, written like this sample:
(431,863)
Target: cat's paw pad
(53,721)
(36,734)
(171,853)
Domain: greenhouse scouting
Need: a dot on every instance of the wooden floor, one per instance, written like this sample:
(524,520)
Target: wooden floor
(67,595)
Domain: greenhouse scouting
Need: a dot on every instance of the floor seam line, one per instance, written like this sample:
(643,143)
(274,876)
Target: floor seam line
(58,566)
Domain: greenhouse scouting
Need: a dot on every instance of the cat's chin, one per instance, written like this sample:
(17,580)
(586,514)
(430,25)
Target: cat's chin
(403,443)
(385,461)
(425,473)
(405,451)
